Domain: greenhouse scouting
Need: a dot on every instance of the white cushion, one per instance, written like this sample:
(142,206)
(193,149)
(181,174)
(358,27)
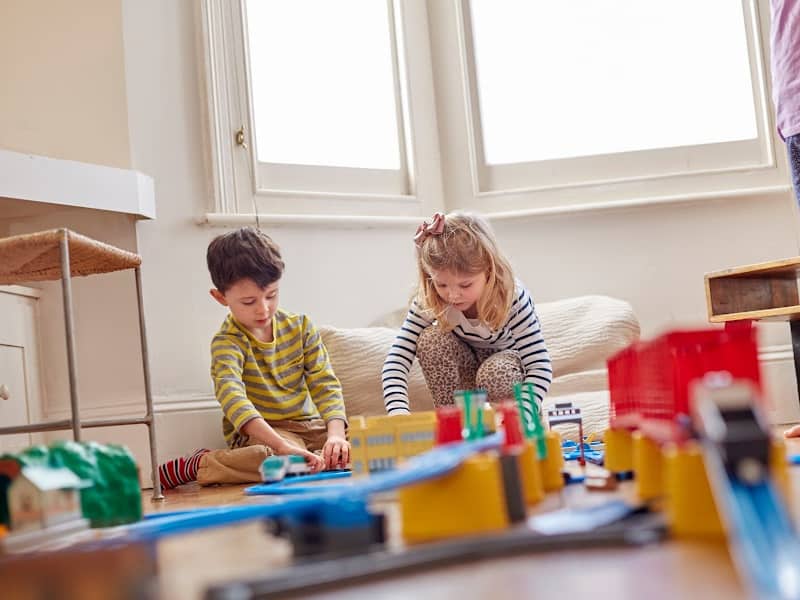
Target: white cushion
(357,357)
(581,333)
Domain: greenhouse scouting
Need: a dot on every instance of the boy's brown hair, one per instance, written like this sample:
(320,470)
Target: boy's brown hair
(244,253)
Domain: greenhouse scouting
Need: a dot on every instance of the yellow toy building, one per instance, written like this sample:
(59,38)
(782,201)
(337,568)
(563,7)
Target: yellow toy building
(379,443)
(415,433)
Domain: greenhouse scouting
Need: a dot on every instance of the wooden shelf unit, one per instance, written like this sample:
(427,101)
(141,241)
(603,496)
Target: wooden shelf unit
(761,291)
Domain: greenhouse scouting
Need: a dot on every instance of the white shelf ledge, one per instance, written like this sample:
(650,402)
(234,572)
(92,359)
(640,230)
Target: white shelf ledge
(70,183)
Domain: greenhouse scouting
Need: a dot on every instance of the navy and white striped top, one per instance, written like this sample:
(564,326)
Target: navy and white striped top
(521,332)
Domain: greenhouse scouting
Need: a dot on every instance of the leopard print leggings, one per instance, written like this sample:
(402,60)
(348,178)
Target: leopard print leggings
(450,364)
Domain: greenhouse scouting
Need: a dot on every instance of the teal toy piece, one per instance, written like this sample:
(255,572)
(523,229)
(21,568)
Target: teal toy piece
(533,428)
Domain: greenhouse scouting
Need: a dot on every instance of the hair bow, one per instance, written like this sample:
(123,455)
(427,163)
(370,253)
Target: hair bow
(425,229)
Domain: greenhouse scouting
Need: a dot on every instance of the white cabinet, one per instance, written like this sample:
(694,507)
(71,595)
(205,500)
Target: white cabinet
(20,383)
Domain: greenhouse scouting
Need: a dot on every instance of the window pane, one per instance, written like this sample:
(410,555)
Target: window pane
(565,79)
(323,83)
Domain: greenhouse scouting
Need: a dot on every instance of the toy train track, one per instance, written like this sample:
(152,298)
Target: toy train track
(762,537)
(616,524)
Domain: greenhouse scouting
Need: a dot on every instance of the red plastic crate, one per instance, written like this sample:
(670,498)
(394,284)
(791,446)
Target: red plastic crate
(623,387)
(649,381)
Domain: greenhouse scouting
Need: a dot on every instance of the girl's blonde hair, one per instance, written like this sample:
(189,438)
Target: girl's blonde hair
(467,245)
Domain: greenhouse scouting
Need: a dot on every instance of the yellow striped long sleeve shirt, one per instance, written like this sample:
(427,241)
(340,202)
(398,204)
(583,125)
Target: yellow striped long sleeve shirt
(289,378)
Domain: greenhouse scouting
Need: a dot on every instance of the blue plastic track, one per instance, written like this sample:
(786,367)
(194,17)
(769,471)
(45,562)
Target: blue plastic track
(435,463)
(762,537)
(294,485)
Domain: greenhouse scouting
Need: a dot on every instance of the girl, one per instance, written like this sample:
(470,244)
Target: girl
(471,323)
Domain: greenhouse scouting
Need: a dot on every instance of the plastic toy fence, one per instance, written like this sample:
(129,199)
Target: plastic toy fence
(649,381)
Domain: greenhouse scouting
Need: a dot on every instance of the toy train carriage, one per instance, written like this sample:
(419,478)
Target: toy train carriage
(277,467)
(379,443)
(649,381)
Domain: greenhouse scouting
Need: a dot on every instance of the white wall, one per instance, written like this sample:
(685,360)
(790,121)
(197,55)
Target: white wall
(654,257)
(63,80)
(64,96)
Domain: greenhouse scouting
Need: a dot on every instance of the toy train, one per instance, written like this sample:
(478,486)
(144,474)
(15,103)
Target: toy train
(277,467)
(649,381)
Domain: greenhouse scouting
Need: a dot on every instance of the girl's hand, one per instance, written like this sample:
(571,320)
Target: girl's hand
(336,452)
(314,462)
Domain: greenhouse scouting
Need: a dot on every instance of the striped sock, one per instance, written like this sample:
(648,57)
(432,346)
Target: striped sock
(180,470)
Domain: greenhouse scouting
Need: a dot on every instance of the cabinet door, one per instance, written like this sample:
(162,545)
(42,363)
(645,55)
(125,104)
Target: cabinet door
(14,408)
(19,364)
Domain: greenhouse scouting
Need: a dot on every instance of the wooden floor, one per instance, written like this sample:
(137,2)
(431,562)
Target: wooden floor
(188,564)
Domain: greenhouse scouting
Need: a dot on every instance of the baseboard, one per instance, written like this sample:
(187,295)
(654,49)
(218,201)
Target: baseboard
(185,403)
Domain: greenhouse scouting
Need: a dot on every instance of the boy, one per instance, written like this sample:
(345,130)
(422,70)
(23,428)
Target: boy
(271,372)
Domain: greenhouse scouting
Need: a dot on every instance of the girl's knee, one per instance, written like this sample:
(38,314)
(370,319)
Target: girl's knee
(498,377)
(433,339)
(439,349)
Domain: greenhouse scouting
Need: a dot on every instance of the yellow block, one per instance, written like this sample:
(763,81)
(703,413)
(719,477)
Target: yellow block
(356,433)
(647,466)
(619,450)
(531,474)
(688,501)
(552,479)
(467,501)
(779,470)
(489,419)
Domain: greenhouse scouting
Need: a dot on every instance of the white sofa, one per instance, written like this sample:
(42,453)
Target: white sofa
(581,333)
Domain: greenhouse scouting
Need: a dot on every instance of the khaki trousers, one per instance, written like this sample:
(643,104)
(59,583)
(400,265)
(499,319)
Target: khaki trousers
(241,463)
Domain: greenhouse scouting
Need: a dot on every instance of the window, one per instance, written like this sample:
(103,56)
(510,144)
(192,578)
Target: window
(323,89)
(537,105)
(312,110)
(610,71)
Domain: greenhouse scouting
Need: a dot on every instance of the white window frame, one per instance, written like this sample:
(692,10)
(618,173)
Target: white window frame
(590,183)
(443,145)
(239,181)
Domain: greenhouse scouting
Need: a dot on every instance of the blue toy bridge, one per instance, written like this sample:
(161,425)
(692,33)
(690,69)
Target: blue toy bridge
(762,537)
(763,540)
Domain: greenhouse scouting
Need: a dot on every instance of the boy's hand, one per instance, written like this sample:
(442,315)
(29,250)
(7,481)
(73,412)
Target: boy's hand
(314,462)
(336,452)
